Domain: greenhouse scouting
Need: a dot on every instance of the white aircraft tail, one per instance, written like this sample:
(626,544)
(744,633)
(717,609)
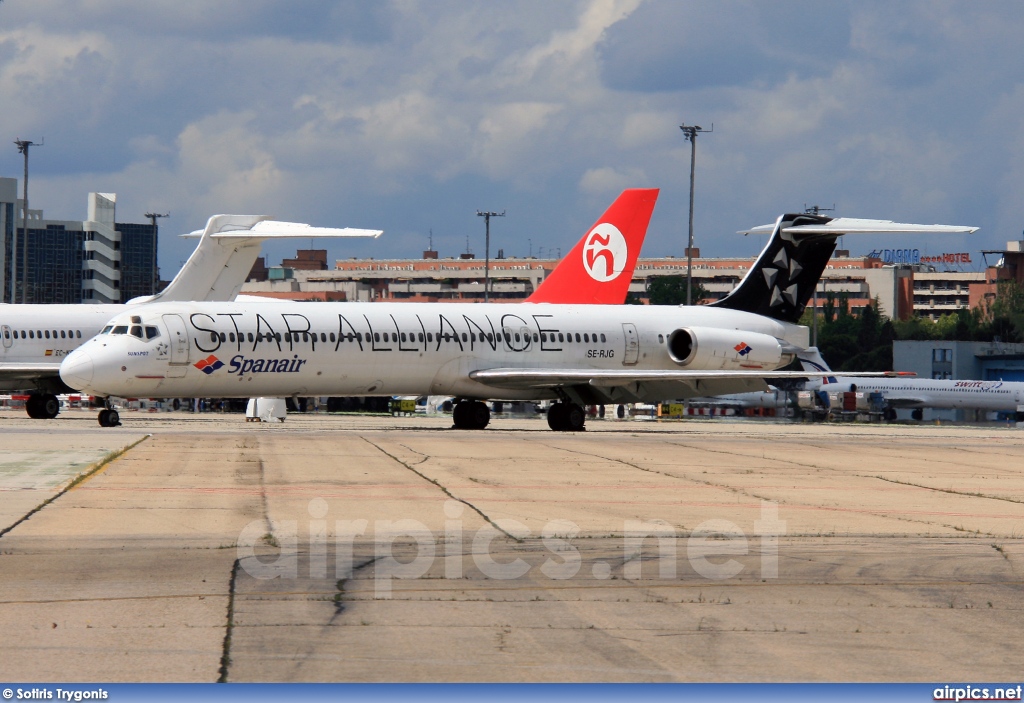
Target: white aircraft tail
(228,248)
(811,360)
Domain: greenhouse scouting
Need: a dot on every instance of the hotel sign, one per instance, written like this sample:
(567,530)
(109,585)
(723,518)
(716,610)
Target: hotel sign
(913,256)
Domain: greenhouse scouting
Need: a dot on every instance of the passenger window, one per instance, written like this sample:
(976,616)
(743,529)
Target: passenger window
(661,338)
(602,337)
(136,331)
(534,336)
(332,336)
(586,338)
(517,337)
(464,338)
(250,337)
(560,337)
(376,336)
(277,337)
(403,336)
(78,334)
(419,336)
(62,334)
(305,336)
(323,337)
(543,336)
(430,336)
(47,334)
(578,338)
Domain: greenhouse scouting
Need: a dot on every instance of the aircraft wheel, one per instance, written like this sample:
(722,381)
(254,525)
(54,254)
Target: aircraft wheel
(49,406)
(556,417)
(575,417)
(465,415)
(479,415)
(109,418)
(917,414)
(32,407)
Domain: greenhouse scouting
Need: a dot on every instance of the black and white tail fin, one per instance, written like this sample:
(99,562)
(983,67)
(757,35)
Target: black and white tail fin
(784,277)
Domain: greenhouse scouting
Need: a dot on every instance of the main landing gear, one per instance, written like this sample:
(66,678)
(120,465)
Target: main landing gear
(42,406)
(566,417)
(471,415)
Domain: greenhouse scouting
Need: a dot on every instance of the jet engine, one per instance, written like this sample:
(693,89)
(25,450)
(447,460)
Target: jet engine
(721,349)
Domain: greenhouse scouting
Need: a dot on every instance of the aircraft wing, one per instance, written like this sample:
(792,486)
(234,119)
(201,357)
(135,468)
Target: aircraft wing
(609,378)
(19,377)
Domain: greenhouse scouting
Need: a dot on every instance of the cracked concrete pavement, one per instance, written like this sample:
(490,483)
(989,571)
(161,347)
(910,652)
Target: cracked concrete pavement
(776,552)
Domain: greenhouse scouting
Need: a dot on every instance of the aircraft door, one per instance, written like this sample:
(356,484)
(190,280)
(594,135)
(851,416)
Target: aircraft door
(179,339)
(632,355)
(8,336)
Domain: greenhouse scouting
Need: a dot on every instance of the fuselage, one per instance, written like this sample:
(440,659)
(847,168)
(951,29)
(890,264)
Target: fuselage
(347,349)
(929,393)
(42,335)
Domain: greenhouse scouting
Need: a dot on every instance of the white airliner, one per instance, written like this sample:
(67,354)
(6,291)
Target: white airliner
(914,393)
(578,354)
(34,339)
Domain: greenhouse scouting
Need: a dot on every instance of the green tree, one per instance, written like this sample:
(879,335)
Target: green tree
(671,290)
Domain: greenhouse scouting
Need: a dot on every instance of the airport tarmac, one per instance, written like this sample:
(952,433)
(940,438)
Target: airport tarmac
(215,549)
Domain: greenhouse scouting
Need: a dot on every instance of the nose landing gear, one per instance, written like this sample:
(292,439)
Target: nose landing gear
(108,417)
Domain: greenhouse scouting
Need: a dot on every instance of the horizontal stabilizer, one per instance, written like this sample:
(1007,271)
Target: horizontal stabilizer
(272,229)
(852,225)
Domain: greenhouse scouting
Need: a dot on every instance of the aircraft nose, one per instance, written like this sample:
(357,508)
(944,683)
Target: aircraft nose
(76,370)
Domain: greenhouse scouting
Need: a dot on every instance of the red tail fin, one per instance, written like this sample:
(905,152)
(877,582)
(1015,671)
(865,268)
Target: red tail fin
(599,268)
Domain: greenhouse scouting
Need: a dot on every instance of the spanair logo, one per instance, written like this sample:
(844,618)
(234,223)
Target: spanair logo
(604,252)
(743,348)
(209,364)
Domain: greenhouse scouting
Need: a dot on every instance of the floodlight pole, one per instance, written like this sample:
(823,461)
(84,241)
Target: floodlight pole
(23,145)
(156,269)
(487,250)
(691,133)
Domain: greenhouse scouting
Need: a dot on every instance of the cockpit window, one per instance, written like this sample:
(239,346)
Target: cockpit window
(120,329)
(106,330)
(152,332)
(136,331)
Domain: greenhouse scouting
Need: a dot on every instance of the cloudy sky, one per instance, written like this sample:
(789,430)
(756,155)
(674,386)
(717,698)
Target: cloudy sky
(410,116)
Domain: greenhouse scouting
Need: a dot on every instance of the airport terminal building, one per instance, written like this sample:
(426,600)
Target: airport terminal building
(902,289)
(96,260)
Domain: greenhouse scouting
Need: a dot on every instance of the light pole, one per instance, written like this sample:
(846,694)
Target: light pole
(691,133)
(156,269)
(23,145)
(487,250)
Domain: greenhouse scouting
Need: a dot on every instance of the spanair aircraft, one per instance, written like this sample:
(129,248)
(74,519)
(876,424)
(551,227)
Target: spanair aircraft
(34,339)
(917,393)
(575,353)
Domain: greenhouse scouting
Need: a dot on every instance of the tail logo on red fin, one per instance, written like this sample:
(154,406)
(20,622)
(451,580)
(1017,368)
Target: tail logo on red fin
(605,252)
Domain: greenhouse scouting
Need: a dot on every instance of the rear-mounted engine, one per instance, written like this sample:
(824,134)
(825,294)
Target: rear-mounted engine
(720,349)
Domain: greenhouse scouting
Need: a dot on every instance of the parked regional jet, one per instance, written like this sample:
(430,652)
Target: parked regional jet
(917,393)
(35,338)
(577,354)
